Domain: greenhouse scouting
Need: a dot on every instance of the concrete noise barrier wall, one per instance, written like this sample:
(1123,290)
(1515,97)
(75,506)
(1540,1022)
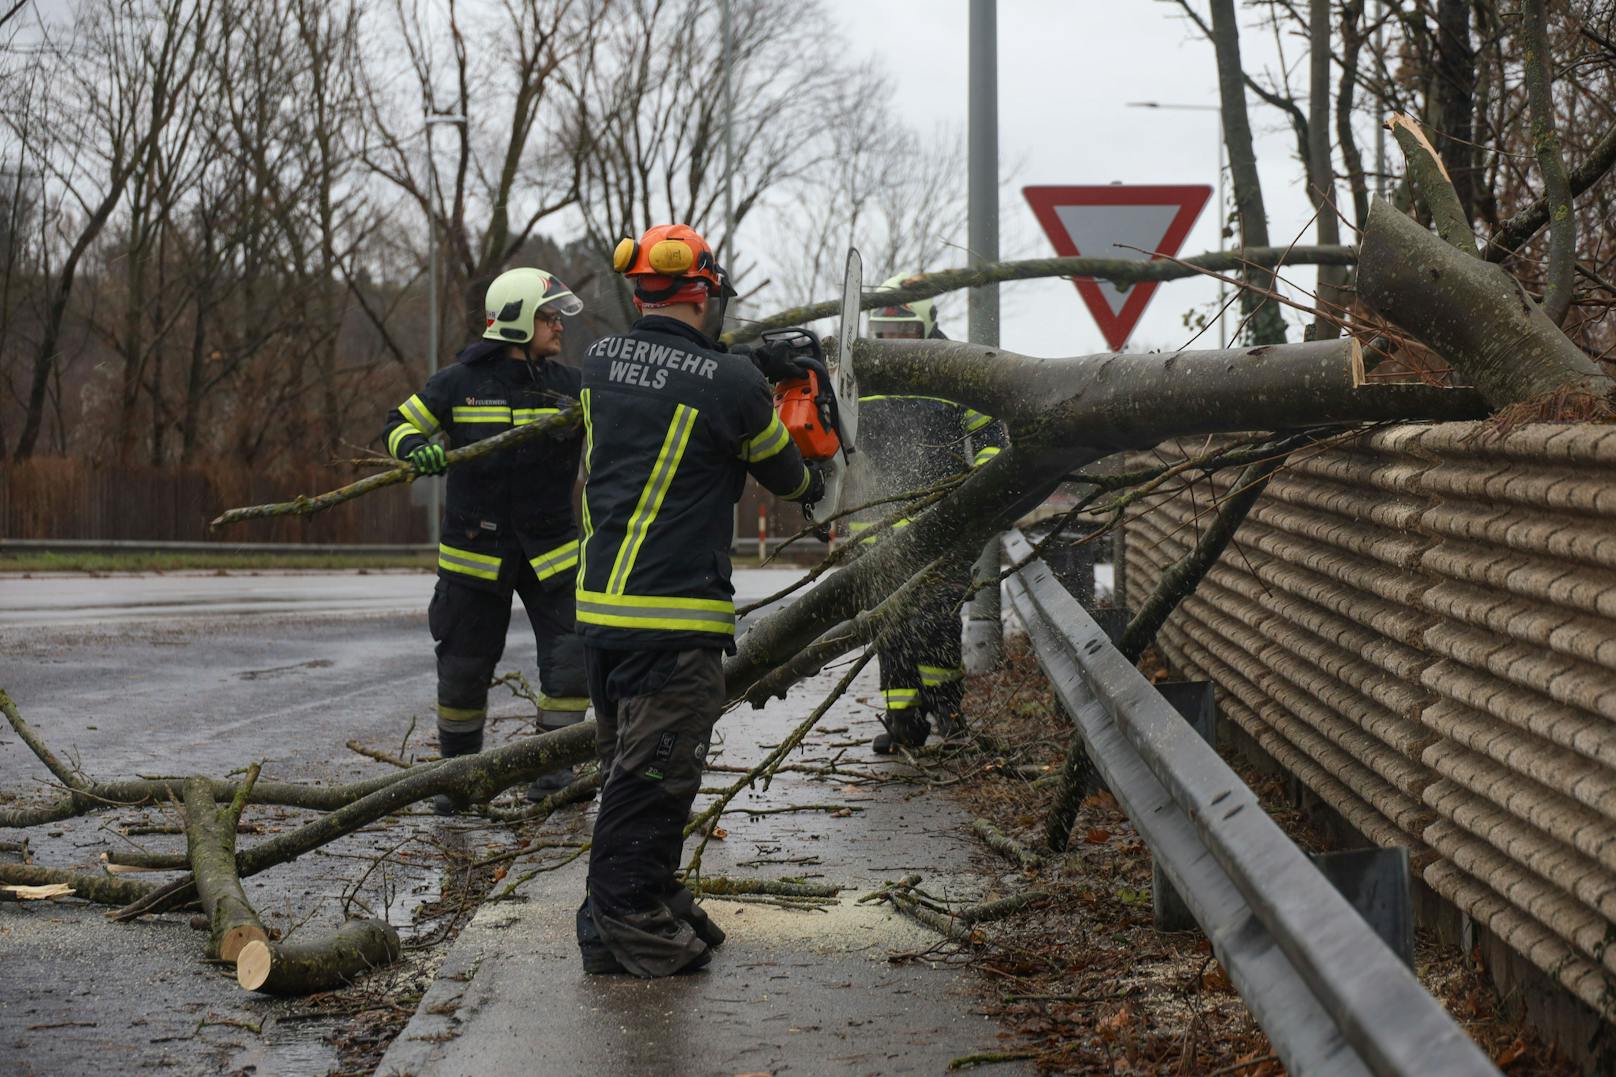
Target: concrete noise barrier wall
(1421,626)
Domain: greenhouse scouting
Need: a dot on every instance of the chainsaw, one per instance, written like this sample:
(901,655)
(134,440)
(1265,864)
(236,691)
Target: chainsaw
(807,406)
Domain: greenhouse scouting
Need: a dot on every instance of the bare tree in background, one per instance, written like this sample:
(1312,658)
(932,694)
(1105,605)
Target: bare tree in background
(649,116)
(515,161)
(115,78)
(895,193)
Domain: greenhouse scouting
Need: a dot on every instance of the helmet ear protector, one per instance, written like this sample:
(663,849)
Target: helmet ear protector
(667,257)
(623,257)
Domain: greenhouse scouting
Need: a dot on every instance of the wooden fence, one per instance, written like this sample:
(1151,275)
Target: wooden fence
(53,498)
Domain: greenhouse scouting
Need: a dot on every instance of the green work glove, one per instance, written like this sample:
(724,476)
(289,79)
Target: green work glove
(429,460)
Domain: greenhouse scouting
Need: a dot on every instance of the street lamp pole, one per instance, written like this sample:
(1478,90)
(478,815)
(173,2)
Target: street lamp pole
(1223,335)
(984,631)
(433,120)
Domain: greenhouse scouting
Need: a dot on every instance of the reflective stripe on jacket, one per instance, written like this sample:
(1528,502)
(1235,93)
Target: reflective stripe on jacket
(672,427)
(507,504)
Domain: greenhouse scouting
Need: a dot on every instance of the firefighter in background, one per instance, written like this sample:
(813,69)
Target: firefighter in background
(673,427)
(508,522)
(910,441)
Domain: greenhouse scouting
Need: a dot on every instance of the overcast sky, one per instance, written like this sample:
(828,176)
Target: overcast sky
(1067,69)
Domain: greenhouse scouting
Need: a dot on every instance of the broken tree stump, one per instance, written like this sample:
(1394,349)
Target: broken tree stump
(1470,312)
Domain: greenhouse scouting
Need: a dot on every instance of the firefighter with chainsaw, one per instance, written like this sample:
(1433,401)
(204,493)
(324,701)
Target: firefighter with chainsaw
(907,442)
(508,522)
(673,426)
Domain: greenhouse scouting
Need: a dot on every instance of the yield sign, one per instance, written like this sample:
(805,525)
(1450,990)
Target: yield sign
(1108,222)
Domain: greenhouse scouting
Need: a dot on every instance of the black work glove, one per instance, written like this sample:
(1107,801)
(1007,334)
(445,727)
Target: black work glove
(816,487)
(429,460)
(776,361)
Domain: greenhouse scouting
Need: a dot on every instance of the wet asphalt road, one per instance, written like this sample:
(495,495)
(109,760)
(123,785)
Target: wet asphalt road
(181,674)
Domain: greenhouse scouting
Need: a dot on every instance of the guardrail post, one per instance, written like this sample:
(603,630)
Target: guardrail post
(1197,703)
(1376,882)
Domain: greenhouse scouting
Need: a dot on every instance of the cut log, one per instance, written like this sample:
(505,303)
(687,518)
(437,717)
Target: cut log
(1470,312)
(323,964)
(97,888)
(210,838)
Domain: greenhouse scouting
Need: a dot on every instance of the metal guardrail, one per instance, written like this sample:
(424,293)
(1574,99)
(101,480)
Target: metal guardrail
(9,545)
(1333,998)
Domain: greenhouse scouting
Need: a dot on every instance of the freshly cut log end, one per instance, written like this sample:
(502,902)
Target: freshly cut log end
(1355,365)
(35,893)
(320,964)
(234,940)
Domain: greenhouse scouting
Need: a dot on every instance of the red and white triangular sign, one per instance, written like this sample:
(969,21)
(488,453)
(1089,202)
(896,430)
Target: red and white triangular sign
(1094,220)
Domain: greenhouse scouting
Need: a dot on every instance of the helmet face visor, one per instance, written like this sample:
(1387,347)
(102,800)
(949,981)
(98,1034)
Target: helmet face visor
(897,330)
(565,304)
(558,298)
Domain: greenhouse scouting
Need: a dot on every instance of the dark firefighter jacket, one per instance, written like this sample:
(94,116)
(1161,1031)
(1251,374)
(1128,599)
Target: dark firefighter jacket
(672,427)
(516,502)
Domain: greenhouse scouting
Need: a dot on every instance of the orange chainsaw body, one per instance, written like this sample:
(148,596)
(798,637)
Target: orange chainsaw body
(799,406)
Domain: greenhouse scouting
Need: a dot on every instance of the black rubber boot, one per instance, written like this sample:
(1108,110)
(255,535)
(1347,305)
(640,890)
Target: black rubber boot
(904,728)
(597,956)
(450,745)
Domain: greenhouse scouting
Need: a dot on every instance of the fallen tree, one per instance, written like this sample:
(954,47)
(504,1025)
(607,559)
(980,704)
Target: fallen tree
(1063,413)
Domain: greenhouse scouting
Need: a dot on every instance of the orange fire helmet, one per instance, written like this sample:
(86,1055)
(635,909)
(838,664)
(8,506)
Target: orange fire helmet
(668,258)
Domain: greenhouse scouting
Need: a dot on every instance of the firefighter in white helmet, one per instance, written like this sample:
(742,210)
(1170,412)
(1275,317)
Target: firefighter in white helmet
(508,521)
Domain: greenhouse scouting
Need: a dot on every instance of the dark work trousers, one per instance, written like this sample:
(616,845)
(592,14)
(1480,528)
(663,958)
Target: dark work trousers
(654,714)
(921,669)
(470,623)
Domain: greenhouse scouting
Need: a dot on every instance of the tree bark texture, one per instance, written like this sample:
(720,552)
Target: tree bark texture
(210,839)
(1267,326)
(1333,300)
(1538,65)
(1470,312)
(1433,183)
(1455,100)
(321,964)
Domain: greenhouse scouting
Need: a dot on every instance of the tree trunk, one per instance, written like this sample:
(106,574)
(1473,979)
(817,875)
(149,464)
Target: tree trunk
(1538,64)
(322,964)
(1455,99)
(1470,312)
(1064,413)
(210,839)
(1332,297)
(1267,326)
